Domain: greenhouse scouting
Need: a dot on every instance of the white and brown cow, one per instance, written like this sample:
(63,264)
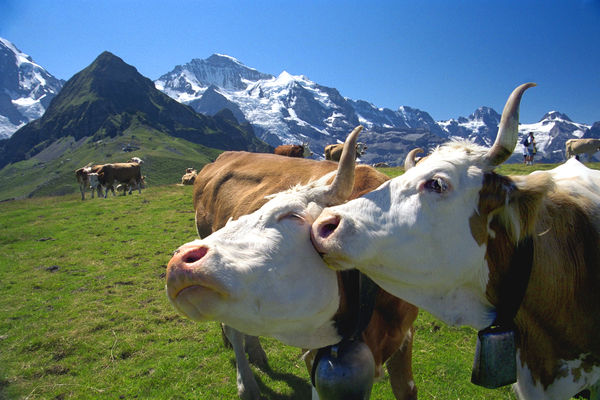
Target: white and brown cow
(127,173)
(241,273)
(445,234)
(87,177)
(574,147)
(189,177)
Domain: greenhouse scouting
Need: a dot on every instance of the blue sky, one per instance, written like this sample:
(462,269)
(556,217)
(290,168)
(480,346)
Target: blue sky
(441,56)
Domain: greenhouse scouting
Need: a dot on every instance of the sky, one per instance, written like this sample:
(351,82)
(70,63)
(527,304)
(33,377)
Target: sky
(446,57)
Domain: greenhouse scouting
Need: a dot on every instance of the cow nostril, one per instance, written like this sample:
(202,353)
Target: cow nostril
(328,226)
(194,255)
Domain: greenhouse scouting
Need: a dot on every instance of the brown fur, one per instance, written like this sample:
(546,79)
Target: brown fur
(237,183)
(290,150)
(558,318)
(129,173)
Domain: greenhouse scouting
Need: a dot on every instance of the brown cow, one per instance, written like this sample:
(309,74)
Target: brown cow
(333,152)
(128,173)
(237,184)
(293,150)
(573,147)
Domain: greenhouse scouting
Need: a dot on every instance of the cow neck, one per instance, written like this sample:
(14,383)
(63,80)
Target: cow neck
(359,292)
(512,284)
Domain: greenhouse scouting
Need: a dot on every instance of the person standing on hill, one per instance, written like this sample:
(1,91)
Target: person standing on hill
(529,149)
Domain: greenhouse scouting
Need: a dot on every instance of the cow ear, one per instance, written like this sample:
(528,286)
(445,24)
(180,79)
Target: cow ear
(514,201)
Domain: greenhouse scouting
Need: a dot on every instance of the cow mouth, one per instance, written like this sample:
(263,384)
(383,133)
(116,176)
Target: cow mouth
(197,302)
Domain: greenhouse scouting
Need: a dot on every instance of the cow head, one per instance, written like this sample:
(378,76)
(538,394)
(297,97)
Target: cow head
(421,236)
(260,273)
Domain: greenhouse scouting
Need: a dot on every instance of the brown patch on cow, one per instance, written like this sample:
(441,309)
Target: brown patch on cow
(558,319)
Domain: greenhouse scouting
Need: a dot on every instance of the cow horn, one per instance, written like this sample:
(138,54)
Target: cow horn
(508,132)
(342,185)
(409,161)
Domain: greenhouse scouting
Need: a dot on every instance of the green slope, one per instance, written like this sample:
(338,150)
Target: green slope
(51,172)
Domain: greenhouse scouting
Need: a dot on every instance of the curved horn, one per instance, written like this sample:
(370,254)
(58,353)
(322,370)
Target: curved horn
(409,161)
(342,185)
(508,131)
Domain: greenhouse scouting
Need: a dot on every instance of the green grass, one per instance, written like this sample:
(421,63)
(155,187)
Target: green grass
(52,172)
(83,313)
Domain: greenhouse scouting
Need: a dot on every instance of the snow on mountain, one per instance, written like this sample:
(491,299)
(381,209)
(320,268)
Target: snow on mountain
(26,89)
(551,133)
(284,109)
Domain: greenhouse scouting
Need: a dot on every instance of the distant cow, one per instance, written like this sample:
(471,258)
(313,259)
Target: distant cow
(334,151)
(573,147)
(189,177)
(128,173)
(294,150)
(136,160)
(87,177)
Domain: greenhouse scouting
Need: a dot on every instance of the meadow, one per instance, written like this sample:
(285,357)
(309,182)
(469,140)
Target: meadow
(83,311)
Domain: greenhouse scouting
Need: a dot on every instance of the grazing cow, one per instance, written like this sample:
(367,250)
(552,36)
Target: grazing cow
(128,173)
(334,151)
(573,147)
(294,150)
(232,276)
(447,236)
(189,177)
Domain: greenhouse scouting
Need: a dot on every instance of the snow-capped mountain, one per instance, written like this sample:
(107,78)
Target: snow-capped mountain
(26,89)
(292,109)
(287,108)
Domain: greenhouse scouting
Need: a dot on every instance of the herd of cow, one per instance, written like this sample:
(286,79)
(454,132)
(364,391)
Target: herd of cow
(450,236)
(103,177)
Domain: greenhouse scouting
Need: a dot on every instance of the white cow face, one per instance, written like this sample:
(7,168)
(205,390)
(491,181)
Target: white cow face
(261,275)
(412,235)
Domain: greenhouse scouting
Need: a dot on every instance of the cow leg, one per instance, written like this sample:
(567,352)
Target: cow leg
(399,367)
(256,354)
(246,384)
(82,190)
(93,190)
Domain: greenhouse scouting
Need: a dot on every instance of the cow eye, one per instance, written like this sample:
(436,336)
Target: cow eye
(291,216)
(437,185)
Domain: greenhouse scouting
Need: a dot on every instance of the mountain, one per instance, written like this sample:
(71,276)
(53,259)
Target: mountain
(26,89)
(289,109)
(108,98)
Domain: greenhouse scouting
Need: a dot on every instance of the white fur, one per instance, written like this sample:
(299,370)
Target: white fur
(277,285)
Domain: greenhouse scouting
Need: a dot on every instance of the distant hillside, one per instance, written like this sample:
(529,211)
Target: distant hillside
(52,170)
(109,97)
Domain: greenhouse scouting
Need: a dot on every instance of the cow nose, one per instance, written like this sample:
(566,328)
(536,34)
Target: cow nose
(322,229)
(187,255)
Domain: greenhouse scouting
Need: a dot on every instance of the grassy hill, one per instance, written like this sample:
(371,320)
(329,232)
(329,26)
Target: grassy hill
(52,171)
(84,315)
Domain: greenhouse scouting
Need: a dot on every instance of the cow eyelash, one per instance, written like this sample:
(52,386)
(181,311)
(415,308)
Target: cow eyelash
(291,215)
(437,185)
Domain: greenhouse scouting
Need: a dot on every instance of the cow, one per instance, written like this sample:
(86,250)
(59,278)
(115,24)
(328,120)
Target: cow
(136,160)
(87,177)
(334,151)
(293,150)
(574,147)
(447,235)
(189,177)
(128,173)
(246,212)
